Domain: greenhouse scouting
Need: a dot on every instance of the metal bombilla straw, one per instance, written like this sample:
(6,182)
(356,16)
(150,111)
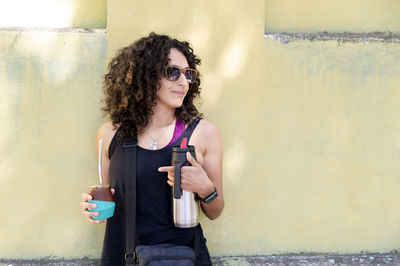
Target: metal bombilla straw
(100,154)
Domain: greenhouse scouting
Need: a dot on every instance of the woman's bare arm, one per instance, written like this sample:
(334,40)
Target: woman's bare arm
(205,172)
(106,133)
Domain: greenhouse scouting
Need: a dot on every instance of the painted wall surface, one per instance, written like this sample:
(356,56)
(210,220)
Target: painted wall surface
(310,129)
(50,90)
(332,16)
(310,132)
(53,13)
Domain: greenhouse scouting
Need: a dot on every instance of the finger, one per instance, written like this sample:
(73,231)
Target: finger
(186,186)
(166,169)
(86,213)
(191,160)
(112,191)
(94,221)
(86,197)
(170,183)
(90,220)
(87,205)
(90,214)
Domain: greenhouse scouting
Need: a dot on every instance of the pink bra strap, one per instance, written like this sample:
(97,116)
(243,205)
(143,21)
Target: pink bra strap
(179,128)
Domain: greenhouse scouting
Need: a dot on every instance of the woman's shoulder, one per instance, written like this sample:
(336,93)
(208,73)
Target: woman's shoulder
(107,130)
(206,138)
(207,127)
(206,131)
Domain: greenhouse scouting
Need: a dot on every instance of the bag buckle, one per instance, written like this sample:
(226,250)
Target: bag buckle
(130,258)
(130,143)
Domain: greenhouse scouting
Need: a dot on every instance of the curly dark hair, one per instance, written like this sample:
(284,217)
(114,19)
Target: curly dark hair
(132,81)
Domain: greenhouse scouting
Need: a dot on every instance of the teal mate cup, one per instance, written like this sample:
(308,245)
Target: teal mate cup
(102,196)
(105,209)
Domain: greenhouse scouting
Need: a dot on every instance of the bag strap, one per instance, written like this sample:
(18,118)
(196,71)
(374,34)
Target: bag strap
(130,148)
(189,130)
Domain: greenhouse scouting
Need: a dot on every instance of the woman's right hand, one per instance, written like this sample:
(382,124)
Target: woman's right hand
(85,205)
(106,132)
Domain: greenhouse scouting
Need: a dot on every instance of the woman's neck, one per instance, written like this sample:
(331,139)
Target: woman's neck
(162,117)
(159,130)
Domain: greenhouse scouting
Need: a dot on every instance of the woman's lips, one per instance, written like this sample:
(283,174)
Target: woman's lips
(180,93)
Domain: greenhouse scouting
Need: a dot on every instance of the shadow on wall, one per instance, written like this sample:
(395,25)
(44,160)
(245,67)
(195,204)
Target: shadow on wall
(226,53)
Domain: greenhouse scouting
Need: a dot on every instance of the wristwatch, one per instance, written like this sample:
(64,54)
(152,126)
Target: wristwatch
(210,197)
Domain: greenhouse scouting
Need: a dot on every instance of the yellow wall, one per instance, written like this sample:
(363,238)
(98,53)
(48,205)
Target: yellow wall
(50,90)
(310,131)
(332,16)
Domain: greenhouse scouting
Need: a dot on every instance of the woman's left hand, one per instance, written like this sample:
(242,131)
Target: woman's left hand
(193,178)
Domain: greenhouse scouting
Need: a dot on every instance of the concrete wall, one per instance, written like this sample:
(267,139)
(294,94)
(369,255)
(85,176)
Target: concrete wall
(50,91)
(310,130)
(332,16)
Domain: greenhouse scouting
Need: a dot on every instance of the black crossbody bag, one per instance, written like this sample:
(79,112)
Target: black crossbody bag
(149,255)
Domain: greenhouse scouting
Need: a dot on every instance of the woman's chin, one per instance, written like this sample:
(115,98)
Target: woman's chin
(178,104)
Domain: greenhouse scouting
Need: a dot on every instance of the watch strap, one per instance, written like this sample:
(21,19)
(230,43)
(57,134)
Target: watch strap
(210,197)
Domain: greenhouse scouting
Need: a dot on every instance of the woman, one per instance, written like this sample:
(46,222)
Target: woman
(149,89)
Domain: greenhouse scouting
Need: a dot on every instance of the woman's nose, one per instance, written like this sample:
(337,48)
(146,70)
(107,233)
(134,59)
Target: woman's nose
(182,79)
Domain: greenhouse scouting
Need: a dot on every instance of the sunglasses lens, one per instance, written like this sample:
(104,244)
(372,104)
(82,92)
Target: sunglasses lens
(173,73)
(190,75)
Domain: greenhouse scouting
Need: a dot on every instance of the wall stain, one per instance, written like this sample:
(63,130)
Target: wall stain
(74,30)
(343,37)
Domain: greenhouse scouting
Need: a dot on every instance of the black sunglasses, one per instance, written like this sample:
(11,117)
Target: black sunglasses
(173,73)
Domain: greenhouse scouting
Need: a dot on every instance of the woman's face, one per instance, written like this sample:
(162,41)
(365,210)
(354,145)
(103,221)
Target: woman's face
(172,92)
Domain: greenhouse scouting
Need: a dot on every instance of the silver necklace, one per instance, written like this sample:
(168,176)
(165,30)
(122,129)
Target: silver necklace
(154,141)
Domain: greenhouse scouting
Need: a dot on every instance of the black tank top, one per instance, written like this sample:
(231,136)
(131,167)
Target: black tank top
(153,201)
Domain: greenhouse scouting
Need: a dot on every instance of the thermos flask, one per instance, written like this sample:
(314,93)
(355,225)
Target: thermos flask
(184,203)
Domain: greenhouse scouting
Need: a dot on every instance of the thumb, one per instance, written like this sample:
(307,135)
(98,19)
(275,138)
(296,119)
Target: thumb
(112,191)
(191,160)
